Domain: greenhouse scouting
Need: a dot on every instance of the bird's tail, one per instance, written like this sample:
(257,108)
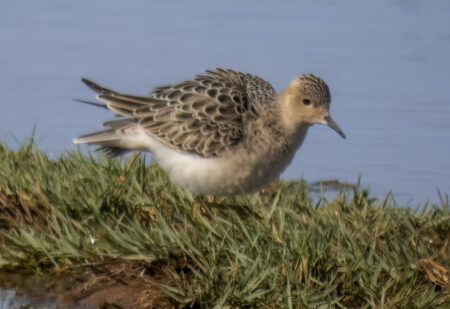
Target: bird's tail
(119,138)
(112,141)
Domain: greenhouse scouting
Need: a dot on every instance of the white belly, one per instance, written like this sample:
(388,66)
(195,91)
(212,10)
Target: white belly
(238,171)
(233,173)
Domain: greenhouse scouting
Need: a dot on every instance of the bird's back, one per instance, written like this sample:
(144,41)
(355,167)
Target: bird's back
(205,116)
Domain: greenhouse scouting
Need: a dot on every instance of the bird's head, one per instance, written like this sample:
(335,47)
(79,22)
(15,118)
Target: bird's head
(306,100)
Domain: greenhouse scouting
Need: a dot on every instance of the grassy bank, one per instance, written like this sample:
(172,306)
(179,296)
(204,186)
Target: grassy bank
(119,231)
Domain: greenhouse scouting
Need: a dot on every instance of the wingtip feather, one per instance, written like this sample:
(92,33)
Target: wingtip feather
(92,103)
(94,86)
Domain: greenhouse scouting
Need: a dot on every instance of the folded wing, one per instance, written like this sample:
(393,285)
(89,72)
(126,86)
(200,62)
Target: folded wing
(205,116)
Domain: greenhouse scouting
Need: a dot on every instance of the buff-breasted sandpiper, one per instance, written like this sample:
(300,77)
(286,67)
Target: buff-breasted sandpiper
(224,132)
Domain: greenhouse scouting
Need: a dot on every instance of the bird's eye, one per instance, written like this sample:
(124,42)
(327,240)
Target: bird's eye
(306,101)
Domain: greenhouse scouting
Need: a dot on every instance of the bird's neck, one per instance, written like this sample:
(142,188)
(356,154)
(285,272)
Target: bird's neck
(285,114)
(285,138)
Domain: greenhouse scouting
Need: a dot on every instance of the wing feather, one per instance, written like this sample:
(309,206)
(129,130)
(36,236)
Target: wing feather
(206,115)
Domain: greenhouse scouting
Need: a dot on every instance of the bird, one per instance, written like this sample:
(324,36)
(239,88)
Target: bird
(222,132)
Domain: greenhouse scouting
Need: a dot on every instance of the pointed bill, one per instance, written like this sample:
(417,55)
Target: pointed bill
(334,126)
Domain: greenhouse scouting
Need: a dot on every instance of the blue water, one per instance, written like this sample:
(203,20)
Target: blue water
(386,62)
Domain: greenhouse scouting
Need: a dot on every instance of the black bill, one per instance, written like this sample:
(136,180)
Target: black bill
(334,126)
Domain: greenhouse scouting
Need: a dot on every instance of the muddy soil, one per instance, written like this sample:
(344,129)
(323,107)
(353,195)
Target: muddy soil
(106,284)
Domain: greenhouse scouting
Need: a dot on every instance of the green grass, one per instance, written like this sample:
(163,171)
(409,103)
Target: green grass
(275,249)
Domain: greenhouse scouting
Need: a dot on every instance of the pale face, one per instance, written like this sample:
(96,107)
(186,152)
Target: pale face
(306,100)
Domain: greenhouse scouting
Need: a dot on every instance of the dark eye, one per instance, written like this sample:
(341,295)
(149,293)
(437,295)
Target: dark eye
(306,101)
